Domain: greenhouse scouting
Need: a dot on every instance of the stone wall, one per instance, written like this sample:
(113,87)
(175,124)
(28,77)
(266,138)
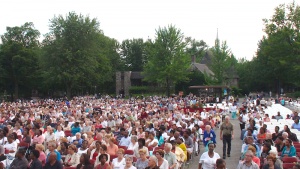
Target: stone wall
(127,82)
(123,82)
(118,83)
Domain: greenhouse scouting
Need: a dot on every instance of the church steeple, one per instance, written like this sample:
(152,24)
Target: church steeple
(217,41)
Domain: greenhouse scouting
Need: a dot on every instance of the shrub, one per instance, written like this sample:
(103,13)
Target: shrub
(138,89)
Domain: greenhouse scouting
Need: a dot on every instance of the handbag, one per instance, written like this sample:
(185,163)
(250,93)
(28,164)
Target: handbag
(206,147)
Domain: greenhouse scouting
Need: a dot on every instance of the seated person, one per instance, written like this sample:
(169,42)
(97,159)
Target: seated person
(288,150)
(279,144)
(78,140)
(296,124)
(20,161)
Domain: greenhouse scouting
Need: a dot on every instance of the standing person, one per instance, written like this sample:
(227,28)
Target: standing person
(208,159)
(233,110)
(226,134)
(243,119)
(248,163)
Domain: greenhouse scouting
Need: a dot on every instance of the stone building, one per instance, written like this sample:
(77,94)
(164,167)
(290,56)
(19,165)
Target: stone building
(124,80)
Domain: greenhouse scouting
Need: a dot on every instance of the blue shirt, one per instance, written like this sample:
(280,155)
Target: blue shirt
(296,126)
(125,141)
(210,135)
(290,153)
(75,130)
(79,142)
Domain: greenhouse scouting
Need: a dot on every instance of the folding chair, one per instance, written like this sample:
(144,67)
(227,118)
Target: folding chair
(289,159)
(288,165)
(129,152)
(68,133)
(113,157)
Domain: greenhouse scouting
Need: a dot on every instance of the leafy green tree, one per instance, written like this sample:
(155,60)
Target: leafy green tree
(73,55)
(168,63)
(109,48)
(278,53)
(132,52)
(19,57)
(221,61)
(195,48)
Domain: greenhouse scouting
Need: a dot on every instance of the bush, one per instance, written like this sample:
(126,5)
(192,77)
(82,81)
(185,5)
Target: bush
(296,94)
(138,89)
(235,91)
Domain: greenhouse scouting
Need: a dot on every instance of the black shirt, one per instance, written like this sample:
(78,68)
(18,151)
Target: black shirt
(152,168)
(57,165)
(19,163)
(36,164)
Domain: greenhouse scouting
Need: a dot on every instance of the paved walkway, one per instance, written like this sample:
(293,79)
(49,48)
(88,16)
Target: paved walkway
(236,145)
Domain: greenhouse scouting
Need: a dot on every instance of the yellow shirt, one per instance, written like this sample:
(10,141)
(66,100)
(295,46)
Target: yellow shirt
(183,147)
(180,155)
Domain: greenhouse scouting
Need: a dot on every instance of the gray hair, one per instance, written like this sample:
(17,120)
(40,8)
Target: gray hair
(169,145)
(285,133)
(128,157)
(154,158)
(134,137)
(273,152)
(249,152)
(78,134)
(51,143)
(208,126)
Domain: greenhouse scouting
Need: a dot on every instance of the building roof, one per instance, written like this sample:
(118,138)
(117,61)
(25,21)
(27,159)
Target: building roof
(206,59)
(202,68)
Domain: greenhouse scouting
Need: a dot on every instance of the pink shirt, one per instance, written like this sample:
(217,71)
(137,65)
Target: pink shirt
(38,139)
(112,150)
(42,158)
(256,160)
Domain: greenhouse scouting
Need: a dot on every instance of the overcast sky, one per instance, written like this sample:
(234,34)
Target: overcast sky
(239,21)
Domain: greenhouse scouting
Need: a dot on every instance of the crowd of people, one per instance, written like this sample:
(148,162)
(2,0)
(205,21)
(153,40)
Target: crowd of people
(145,133)
(266,148)
(103,133)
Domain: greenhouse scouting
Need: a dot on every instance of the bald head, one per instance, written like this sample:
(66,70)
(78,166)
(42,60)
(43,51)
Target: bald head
(52,157)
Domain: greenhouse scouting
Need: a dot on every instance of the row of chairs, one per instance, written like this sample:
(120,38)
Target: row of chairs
(288,165)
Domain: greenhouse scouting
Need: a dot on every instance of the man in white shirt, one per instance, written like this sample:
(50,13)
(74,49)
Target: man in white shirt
(243,119)
(125,141)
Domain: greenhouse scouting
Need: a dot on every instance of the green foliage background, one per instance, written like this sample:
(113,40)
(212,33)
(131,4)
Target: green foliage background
(76,58)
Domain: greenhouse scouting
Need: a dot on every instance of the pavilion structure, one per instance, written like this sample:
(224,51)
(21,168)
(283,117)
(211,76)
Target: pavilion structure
(211,91)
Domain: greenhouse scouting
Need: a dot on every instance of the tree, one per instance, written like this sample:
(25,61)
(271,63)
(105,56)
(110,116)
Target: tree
(280,48)
(133,54)
(73,56)
(195,48)
(168,63)
(19,57)
(222,59)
